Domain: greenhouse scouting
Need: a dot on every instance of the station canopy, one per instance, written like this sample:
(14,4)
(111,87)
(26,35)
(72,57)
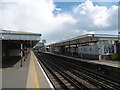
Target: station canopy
(85,39)
(27,38)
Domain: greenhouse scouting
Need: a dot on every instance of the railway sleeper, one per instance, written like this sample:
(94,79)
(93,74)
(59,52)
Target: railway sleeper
(96,80)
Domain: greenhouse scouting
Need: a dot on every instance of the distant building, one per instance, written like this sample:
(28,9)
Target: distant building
(41,46)
(89,46)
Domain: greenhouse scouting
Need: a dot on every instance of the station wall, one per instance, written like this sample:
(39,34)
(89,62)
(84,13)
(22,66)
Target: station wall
(88,52)
(11,49)
(15,52)
(118,49)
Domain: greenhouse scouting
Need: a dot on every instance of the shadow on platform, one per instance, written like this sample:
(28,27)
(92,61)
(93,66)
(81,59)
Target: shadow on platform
(10,61)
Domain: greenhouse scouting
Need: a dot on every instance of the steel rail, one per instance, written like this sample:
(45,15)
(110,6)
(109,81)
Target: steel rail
(62,65)
(90,76)
(71,79)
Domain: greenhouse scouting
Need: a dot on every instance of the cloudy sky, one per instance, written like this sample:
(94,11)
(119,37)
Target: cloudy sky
(57,20)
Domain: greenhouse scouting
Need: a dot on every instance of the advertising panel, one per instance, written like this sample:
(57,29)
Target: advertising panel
(108,49)
(96,50)
(89,50)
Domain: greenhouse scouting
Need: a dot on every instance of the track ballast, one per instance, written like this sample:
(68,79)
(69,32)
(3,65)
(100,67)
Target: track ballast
(65,74)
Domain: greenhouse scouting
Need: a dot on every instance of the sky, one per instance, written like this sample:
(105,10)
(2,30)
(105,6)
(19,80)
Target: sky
(57,20)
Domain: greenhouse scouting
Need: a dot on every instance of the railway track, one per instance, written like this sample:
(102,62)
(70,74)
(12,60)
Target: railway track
(66,75)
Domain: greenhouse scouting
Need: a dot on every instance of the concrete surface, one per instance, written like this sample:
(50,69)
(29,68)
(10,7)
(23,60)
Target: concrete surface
(107,62)
(29,75)
(42,78)
(32,77)
(16,76)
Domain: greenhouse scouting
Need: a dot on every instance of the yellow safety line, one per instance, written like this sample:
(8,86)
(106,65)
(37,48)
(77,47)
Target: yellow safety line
(35,76)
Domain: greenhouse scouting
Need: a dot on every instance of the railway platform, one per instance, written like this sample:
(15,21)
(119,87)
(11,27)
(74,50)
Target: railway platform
(67,72)
(107,62)
(30,75)
(110,63)
(105,67)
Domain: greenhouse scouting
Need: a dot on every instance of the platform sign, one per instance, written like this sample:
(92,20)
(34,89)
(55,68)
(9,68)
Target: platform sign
(108,49)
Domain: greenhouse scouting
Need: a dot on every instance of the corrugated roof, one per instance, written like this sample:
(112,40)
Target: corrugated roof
(18,32)
(17,35)
(88,35)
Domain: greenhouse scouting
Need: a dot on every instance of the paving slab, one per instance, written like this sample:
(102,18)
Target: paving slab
(43,80)
(30,75)
(15,76)
(107,62)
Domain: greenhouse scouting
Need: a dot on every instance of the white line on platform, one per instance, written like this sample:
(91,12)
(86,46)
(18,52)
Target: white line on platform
(51,86)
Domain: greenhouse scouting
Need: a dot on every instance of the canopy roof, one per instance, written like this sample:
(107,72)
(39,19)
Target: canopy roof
(17,35)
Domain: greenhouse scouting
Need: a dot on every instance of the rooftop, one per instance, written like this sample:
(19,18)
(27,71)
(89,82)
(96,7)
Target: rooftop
(18,32)
(18,35)
(88,36)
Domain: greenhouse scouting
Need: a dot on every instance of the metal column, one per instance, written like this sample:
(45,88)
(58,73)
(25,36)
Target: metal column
(100,56)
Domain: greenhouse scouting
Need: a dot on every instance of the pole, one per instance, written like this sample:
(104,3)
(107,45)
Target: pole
(21,64)
(81,55)
(100,57)
(25,55)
